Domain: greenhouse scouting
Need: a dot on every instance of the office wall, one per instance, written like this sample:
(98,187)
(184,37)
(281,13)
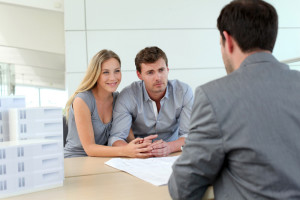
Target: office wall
(185,30)
(32,40)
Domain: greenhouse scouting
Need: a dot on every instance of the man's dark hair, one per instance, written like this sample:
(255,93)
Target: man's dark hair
(252,23)
(149,55)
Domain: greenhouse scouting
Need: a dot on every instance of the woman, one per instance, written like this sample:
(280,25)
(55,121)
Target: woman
(89,112)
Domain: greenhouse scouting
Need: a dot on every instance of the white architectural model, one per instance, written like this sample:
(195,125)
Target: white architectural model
(5,104)
(29,123)
(32,159)
(29,166)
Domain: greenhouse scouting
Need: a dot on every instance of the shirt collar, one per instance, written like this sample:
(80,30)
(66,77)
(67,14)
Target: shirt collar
(145,93)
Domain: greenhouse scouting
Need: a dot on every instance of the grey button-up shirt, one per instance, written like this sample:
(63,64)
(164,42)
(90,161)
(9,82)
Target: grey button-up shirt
(134,109)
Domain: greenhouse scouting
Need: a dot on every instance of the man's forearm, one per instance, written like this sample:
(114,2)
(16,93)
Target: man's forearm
(176,145)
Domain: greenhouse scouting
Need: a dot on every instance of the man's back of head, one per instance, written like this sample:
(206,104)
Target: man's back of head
(252,23)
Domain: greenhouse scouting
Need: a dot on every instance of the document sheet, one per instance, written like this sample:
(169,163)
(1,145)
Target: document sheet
(153,170)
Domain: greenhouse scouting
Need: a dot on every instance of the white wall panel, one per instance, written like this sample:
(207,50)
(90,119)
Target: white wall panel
(184,48)
(39,76)
(34,58)
(196,77)
(72,81)
(287,45)
(154,14)
(127,78)
(30,28)
(295,67)
(76,55)
(53,5)
(136,14)
(288,12)
(74,15)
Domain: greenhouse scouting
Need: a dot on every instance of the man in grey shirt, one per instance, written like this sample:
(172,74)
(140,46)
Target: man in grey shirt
(153,106)
(245,128)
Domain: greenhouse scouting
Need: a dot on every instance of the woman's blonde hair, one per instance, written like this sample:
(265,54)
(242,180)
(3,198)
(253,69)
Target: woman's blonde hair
(93,72)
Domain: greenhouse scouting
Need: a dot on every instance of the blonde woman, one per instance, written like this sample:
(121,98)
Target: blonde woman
(89,112)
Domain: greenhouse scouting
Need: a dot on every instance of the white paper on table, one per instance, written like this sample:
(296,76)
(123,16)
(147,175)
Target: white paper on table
(156,171)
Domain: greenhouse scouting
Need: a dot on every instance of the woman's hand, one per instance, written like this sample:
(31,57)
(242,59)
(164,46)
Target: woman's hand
(138,148)
(149,139)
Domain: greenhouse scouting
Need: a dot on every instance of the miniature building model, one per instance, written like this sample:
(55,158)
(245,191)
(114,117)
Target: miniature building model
(5,104)
(29,166)
(31,147)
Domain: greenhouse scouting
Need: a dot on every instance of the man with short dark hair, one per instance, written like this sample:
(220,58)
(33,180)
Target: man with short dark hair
(153,106)
(245,128)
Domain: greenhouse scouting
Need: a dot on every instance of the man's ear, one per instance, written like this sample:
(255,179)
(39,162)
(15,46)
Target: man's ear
(228,42)
(139,75)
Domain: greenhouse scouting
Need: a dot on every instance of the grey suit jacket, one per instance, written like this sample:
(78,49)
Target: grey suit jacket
(244,135)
